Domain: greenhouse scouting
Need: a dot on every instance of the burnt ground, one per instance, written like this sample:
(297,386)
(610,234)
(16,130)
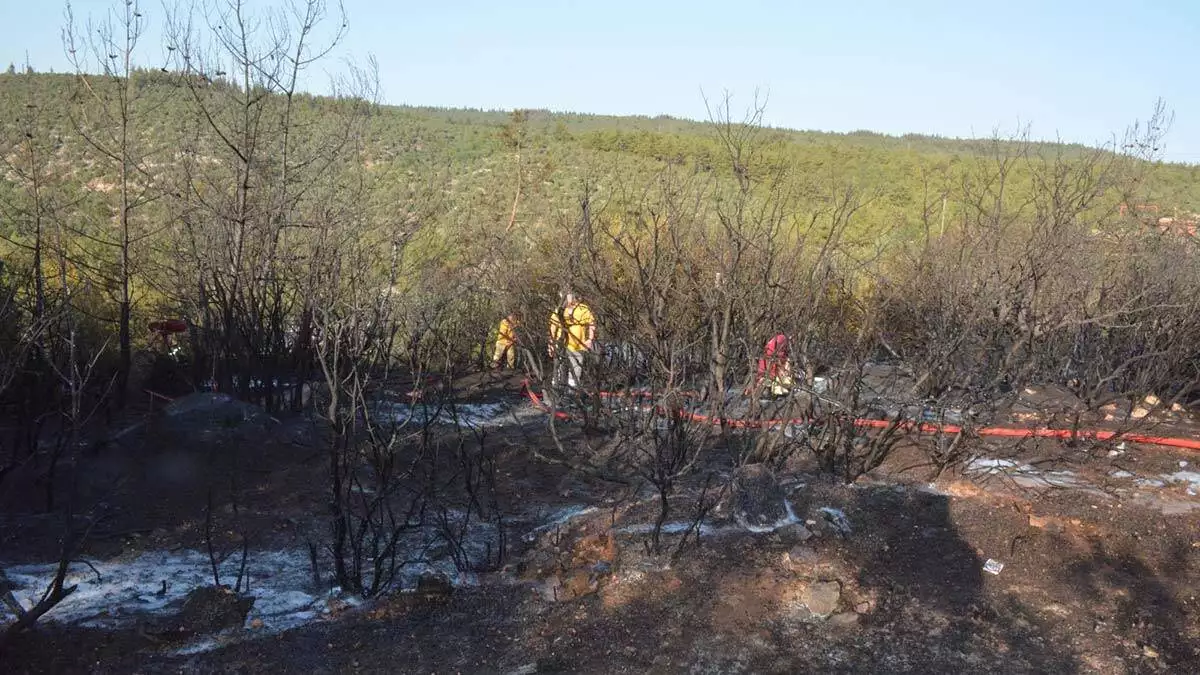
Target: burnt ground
(1097,577)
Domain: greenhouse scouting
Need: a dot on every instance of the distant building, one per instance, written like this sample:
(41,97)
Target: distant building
(1181,224)
(1139,209)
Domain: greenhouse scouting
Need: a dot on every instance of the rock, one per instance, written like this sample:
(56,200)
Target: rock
(800,558)
(822,597)
(844,619)
(593,549)
(863,607)
(758,502)
(1048,523)
(837,521)
(434,587)
(579,584)
(1139,412)
(1052,398)
(209,609)
(570,586)
(203,418)
(574,567)
(795,532)
(335,604)
(791,602)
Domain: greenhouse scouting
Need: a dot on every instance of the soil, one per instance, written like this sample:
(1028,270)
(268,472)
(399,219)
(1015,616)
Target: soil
(1099,572)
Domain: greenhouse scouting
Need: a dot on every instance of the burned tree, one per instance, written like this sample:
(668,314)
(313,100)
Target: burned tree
(248,177)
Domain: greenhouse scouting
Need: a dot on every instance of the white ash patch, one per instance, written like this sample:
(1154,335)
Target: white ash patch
(465,415)
(120,591)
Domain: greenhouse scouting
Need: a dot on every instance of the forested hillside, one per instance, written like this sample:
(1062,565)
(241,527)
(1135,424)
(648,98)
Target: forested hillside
(147,194)
(566,148)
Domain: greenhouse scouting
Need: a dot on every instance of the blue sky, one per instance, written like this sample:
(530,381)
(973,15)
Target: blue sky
(1081,71)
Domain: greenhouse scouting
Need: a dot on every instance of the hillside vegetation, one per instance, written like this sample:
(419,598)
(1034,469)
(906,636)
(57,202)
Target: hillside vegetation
(143,194)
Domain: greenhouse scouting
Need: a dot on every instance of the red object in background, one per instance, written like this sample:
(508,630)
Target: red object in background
(776,356)
(169,326)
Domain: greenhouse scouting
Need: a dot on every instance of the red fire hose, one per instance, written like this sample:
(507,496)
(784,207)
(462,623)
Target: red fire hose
(923,427)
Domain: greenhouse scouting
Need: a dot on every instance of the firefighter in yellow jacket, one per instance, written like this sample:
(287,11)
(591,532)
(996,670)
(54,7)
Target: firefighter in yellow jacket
(506,343)
(573,330)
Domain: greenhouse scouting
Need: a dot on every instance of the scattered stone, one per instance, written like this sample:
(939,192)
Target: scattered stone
(993,566)
(863,607)
(758,503)
(1139,413)
(822,597)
